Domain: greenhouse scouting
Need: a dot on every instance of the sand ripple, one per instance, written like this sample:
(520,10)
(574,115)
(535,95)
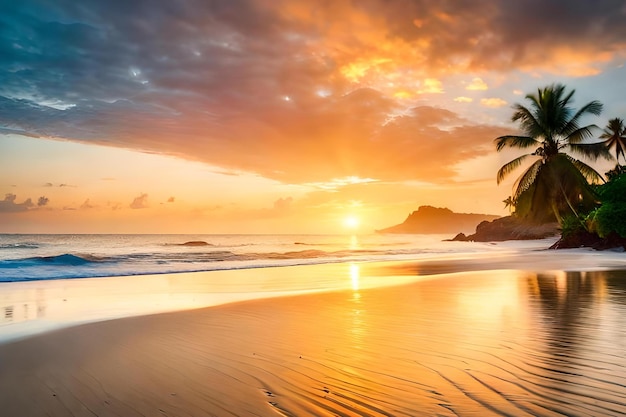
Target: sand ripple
(499,343)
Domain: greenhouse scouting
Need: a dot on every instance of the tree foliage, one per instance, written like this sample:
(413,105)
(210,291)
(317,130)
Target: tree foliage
(614,135)
(555,183)
(610,217)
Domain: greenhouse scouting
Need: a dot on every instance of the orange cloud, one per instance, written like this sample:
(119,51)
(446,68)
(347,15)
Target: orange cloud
(140,202)
(477,84)
(493,102)
(431,86)
(217,91)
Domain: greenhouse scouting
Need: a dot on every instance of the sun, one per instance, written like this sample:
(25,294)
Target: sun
(351,222)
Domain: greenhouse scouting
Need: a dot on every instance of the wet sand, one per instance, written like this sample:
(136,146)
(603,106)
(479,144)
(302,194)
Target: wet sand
(502,342)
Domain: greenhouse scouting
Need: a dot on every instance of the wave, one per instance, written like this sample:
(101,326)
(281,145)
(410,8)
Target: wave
(115,256)
(19,246)
(88,265)
(65,259)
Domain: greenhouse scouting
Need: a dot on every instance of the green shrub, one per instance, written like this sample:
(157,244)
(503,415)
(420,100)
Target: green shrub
(613,191)
(571,225)
(610,217)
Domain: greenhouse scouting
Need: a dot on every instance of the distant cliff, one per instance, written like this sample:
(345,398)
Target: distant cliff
(431,220)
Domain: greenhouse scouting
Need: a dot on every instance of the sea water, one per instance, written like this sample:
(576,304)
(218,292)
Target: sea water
(53,281)
(44,257)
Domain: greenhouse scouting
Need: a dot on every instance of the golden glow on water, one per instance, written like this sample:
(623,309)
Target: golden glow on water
(355,276)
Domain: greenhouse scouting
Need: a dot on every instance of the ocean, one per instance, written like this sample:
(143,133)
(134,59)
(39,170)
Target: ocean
(46,257)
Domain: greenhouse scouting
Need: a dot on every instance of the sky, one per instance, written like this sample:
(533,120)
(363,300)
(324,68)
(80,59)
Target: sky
(279,116)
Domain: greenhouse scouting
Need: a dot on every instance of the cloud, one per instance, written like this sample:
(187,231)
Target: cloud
(281,208)
(171,200)
(8,205)
(49,184)
(139,202)
(463,99)
(86,205)
(477,84)
(283,204)
(42,201)
(493,102)
(207,80)
(431,86)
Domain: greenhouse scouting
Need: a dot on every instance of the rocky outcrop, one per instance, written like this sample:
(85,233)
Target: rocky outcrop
(509,228)
(196,243)
(584,239)
(431,220)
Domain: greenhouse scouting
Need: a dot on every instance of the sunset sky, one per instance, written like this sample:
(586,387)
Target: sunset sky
(279,116)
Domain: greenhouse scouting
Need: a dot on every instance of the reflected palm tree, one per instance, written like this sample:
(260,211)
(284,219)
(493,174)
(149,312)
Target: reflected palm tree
(569,302)
(555,182)
(581,324)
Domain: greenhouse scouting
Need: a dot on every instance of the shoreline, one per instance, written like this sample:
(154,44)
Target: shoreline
(33,307)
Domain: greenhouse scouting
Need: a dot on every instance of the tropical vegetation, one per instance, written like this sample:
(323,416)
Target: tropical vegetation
(614,136)
(556,183)
(557,186)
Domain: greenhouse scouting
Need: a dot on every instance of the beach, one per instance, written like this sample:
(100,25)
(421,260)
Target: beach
(442,338)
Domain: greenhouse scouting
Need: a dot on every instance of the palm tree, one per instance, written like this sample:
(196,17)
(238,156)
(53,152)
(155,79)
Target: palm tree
(555,182)
(509,203)
(614,135)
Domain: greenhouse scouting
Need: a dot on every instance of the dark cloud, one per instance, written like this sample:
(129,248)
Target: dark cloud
(268,87)
(283,204)
(42,201)
(86,205)
(502,34)
(139,202)
(49,184)
(9,205)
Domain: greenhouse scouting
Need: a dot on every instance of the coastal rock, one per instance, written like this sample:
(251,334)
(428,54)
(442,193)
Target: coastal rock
(196,243)
(461,237)
(584,239)
(511,228)
(430,220)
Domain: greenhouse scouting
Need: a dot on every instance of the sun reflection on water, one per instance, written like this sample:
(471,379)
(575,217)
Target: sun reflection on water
(355,275)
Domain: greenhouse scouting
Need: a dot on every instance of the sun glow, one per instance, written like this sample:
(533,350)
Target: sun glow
(351,222)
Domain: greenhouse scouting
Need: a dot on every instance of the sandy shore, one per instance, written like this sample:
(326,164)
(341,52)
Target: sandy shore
(503,342)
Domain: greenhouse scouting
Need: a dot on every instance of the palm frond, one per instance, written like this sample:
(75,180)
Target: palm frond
(571,127)
(614,128)
(619,149)
(591,150)
(529,123)
(588,172)
(526,179)
(581,133)
(513,141)
(509,167)
(615,136)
